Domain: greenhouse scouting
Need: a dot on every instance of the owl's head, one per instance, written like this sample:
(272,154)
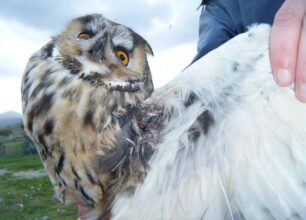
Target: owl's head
(107,54)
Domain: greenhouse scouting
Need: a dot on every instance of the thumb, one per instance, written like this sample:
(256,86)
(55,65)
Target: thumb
(284,41)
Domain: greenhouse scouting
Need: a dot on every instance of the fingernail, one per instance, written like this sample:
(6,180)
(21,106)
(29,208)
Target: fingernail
(283,77)
(302,91)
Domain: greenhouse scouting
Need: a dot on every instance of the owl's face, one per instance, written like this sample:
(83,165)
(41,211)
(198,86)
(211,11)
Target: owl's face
(106,54)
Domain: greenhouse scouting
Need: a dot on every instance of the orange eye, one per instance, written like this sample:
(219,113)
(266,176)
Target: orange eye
(84,36)
(123,57)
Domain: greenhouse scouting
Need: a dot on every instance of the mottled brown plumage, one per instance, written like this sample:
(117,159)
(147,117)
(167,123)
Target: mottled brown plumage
(79,105)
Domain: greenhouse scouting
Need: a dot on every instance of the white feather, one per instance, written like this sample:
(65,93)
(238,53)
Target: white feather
(252,162)
(90,67)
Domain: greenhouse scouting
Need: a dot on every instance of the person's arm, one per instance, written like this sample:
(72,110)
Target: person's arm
(216,27)
(288,46)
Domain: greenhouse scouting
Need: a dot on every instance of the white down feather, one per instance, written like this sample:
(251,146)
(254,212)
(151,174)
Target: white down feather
(252,162)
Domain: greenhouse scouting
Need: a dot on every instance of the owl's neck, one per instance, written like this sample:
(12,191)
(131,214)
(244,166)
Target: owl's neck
(128,160)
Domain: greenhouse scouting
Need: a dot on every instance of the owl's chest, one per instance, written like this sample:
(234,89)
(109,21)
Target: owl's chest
(71,161)
(74,179)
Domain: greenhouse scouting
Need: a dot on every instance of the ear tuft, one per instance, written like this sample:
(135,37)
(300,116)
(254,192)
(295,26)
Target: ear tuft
(140,40)
(149,49)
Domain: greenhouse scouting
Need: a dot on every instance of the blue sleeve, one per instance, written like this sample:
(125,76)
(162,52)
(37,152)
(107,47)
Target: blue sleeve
(221,20)
(216,27)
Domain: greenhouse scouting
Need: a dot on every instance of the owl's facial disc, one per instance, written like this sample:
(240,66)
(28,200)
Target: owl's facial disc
(97,52)
(114,56)
(106,54)
(106,51)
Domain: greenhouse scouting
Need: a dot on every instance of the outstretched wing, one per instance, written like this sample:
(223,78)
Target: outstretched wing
(233,146)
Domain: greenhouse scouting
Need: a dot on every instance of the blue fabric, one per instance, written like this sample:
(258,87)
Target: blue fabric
(221,20)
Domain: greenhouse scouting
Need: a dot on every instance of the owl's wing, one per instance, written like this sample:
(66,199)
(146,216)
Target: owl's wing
(234,144)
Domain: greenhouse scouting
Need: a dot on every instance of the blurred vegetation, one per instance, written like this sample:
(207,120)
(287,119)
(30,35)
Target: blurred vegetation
(14,141)
(21,197)
(29,198)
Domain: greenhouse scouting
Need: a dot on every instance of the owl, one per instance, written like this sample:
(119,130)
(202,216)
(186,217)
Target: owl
(220,141)
(78,93)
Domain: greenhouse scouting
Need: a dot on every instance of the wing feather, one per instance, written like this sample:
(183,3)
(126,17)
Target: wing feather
(250,163)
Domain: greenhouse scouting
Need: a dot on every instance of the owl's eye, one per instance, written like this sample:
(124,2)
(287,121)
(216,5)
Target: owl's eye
(123,57)
(85,35)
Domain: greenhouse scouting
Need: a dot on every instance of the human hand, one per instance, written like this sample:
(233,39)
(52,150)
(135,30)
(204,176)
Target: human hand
(288,46)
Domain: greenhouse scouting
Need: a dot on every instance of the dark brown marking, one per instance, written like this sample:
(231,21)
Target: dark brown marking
(97,50)
(66,80)
(101,187)
(46,76)
(145,152)
(42,141)
(48,127)
(88,119)
(25,91)
(48,50)
(194,134)
(75,173)
(86,19)
(113,159)
(27,84)
(72,64)
(205,120)
(44,83)
(60,164)
(90,178)
(190,100)
(93,79)
(70,94)
(43,105)
(76,184)
(82,76)
(29,70)
(30,122)
(43,154)
(37,89)
(86,196)
(62,180)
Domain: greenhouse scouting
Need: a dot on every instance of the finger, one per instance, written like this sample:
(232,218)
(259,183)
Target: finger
(300,87)
(284,40)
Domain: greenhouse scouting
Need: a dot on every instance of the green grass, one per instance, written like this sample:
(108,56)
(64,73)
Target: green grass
(29,198)
(18,163)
